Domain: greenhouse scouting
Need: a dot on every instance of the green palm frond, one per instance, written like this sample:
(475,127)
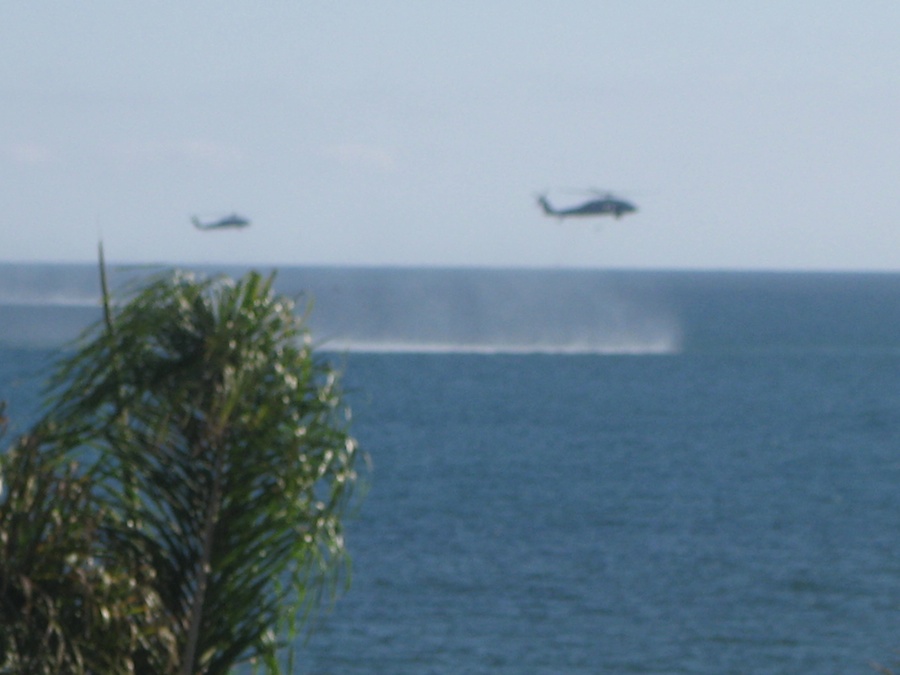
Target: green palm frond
(219,457)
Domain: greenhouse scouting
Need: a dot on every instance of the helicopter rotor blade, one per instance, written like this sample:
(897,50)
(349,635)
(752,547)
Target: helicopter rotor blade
(592,192)
(605,194)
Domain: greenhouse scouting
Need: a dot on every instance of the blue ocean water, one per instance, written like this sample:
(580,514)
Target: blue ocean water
(583,472)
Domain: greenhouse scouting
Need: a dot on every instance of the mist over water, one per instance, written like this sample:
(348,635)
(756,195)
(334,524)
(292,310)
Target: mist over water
(489,311)
(390,310)
(508,311)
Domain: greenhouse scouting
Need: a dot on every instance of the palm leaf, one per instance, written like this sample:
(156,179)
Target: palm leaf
(220,458)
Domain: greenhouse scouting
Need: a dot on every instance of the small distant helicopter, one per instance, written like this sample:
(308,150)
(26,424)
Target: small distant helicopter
(607,204)
(234,220)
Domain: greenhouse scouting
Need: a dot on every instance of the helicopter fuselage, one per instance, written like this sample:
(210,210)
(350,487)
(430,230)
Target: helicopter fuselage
(233,220)
(594,207)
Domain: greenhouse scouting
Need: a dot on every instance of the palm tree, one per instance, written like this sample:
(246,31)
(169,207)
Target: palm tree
(216,465)
(66,605)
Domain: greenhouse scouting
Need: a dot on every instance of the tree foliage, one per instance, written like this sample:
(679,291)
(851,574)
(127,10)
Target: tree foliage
(179,505)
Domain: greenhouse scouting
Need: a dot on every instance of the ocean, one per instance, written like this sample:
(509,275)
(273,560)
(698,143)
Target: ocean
(588,471)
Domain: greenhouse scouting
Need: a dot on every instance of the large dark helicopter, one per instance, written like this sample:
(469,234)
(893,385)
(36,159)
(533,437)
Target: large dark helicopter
(607,204)
(234,220)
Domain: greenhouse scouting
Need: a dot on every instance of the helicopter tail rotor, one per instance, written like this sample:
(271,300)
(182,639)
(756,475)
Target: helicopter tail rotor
(548,209)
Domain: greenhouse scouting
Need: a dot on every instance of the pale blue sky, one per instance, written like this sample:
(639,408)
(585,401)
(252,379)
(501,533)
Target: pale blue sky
(752,135)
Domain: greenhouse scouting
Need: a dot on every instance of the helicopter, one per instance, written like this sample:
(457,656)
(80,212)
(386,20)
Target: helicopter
(606,204)
(234,220)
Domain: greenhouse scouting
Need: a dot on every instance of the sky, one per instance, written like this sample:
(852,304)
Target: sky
(752,135)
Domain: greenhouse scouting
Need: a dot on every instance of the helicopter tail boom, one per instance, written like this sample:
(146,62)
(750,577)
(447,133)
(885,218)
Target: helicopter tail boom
(548,209)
